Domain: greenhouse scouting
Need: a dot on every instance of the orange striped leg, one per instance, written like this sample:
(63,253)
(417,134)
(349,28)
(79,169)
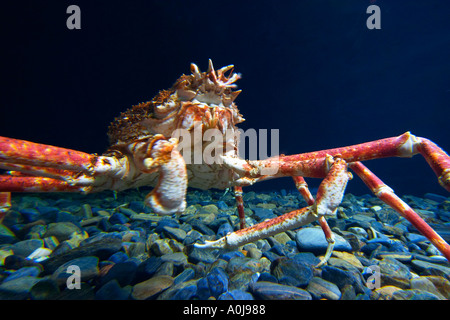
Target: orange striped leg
(302,187)
(5,204)
(240,206)
(386,194)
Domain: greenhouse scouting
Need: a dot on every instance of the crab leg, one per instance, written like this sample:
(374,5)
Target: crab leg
(240,206)
(387,195)
(38,184)
(313,164)
(302,187)
(5,204)
(329,196)
(41,155)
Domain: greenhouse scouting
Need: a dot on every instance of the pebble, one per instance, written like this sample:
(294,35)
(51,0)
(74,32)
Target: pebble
(293,272)
(61,230)
(313,240)
(150,288)
(87,268)
(17,289)
(274,291)
(127,252)
(322,289)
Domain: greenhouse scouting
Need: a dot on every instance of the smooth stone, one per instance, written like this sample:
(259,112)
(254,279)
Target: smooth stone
(6,235)
(199,255)
(388,216)
(177,258)
(399,256)
(3,254)
(201,227)
(217,281)
(86,292)
(13,262)
(113,291)
(123,272)
(385,293)
(432,269)
(273,291)
(161,247)
(30,214)
(186,293)
(254,253)
(102,249)
(148,268)
(118,257)
(186,275)
(192,237)
(17,289)
(308,258)
(150,288)
(441,284)
(422,283)
(224,229)
(299,273)
(394,273)
(341,278)
(358,231)
(350,258)
(415,238)
(26,247)
(88,267)
(261,214)
(236,295)
(46,289)
(313,240)
(175,233)
(61,230)
(242,280)
(203,291)
(239,264)
(282,238)
(322,289)
(118,218)
(32,271)
(413,294)
(208,209)
(435,197)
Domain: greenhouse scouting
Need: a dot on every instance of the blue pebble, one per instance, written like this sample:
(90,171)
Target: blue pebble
(221,205)
(118,257)
(166,222)
(186,293)
(415,238)
(224,229)
(30,214)
(32,271)
(435,197)
(265,276)
(112,291)
(236,294)
(272,256)
(283,192)
(203,292)
(138,206)
(262,214)
(217,281)
(186,275)
(118,218)
(227,256)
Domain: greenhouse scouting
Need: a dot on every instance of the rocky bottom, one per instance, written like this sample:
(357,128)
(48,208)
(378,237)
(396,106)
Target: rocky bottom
(108,246)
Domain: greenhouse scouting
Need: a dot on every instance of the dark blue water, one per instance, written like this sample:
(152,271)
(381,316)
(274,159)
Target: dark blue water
(311,69)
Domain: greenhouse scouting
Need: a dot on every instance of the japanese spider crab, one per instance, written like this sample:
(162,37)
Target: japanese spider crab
(144,152)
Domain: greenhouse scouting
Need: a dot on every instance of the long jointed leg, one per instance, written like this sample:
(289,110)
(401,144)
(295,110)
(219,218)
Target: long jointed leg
(387,195)
(5,204)
(329,196)
(41,155)
(240,206)
(302,187)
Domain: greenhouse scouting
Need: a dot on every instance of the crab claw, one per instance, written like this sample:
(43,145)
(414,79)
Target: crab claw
(168,197)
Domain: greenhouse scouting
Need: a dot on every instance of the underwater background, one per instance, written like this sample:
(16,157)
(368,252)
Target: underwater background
(311,69)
